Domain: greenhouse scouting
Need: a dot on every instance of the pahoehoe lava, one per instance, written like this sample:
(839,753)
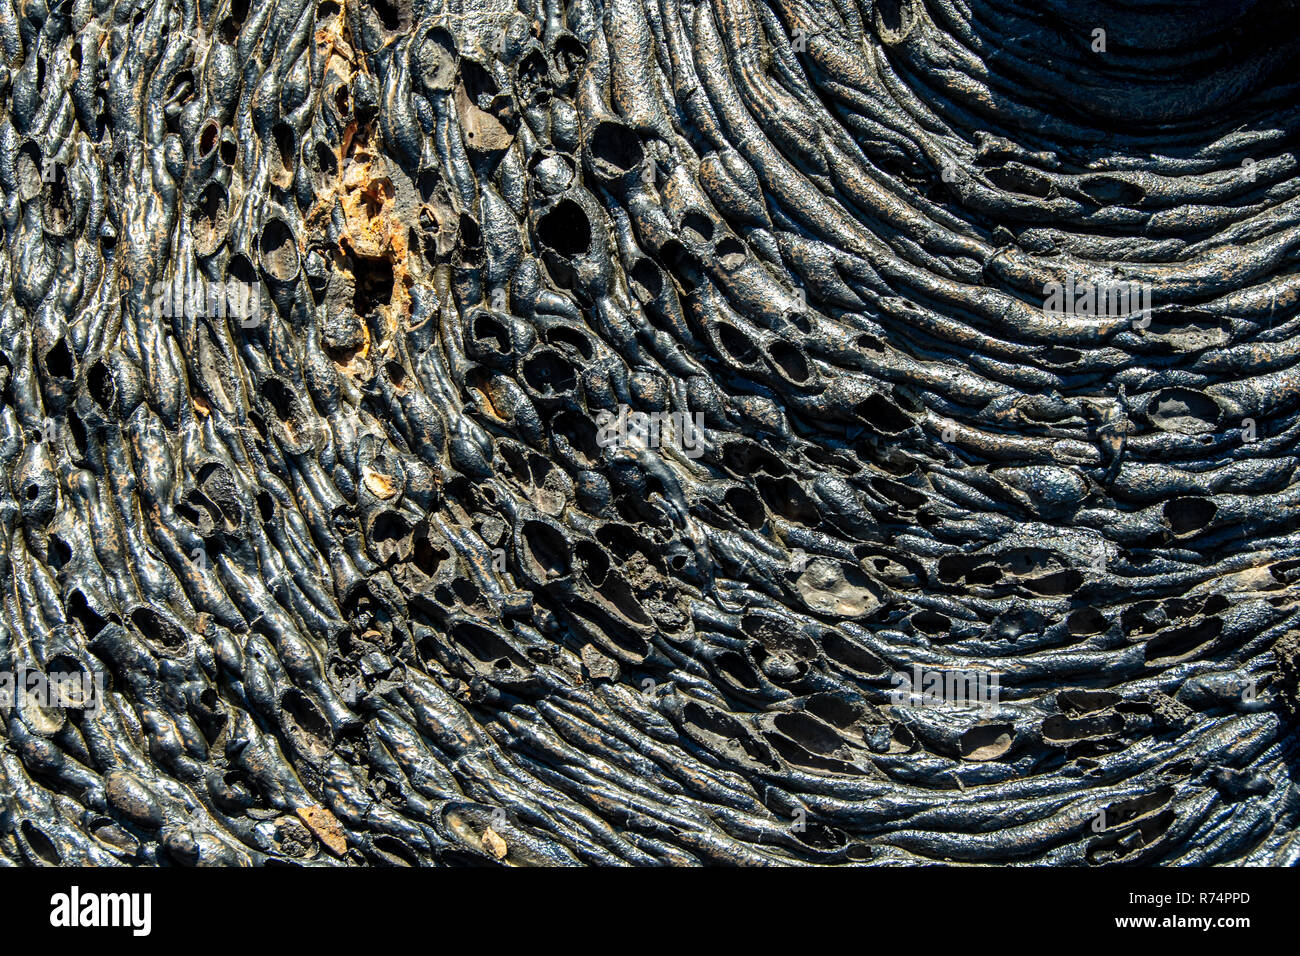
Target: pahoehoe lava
(329,336)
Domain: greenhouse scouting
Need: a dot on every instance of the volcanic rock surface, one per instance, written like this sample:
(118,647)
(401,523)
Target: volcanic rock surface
(650,431)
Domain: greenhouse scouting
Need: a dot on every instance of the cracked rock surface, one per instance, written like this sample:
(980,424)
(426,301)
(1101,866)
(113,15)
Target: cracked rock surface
(650,431)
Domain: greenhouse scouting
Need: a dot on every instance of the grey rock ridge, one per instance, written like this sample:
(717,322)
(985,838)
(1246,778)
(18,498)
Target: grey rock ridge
(649,432)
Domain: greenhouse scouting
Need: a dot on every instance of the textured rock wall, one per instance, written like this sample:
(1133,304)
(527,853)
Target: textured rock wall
(649,432)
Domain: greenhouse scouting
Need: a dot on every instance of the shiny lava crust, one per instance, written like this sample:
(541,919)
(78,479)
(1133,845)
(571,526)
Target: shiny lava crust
(649,431)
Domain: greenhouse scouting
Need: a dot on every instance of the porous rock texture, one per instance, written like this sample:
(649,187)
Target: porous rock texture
(366,582)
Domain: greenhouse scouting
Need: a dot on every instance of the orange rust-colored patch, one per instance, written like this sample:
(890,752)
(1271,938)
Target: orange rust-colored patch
(373,230)
(333,46)
(326,827)
(363,191)
(380,485)
(494,844)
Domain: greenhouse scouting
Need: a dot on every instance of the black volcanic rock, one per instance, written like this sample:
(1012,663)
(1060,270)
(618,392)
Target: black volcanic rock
(724,432)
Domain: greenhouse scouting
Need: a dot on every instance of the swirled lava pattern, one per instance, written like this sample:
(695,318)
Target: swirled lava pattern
(660,432)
